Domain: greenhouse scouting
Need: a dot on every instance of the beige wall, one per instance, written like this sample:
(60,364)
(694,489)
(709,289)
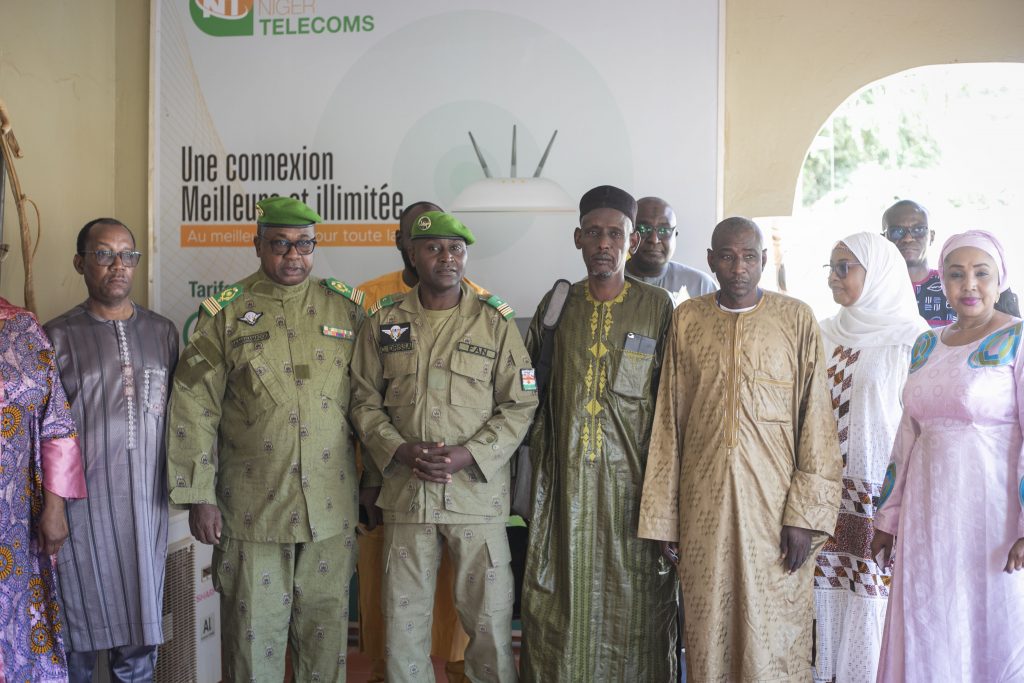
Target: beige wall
(790,63)
(74,75)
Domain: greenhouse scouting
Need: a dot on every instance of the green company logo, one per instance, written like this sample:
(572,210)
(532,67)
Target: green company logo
(222,17)
(292,18)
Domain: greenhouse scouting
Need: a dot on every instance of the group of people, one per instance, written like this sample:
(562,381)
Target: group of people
(841,501)
(927,393)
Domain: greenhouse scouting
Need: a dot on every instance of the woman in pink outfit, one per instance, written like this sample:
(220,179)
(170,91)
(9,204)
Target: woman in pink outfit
(953,496)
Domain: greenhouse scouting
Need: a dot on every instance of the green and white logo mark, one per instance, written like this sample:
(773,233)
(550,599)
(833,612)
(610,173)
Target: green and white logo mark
(223,17)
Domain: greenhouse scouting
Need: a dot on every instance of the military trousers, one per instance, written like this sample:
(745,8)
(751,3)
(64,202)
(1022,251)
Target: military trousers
(484,594)
(448,640)
(275,595)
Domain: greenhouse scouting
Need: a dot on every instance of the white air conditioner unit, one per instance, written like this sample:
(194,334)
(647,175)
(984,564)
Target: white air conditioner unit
(191,649)
(191,611)
(176,660)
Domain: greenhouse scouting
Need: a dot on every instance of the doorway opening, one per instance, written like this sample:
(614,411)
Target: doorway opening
(950,137)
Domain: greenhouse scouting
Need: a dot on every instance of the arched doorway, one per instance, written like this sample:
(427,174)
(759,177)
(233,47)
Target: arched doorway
(950,137)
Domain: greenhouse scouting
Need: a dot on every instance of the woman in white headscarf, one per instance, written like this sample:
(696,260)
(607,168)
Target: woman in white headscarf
(868,342)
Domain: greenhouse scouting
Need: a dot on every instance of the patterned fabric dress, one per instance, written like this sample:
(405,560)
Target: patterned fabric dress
(33,410)
(955,508)
(743,443)
(932,302)
(598,602)
(850,590)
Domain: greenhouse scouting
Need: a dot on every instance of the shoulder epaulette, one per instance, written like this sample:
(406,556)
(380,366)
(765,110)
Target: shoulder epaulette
(214,304)
(354,295)
(385,301)
(503,308)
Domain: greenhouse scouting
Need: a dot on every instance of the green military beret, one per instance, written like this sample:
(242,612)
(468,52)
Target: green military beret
(441,224)
(285,212)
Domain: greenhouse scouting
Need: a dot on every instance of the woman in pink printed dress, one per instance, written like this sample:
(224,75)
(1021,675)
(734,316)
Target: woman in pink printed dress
(954,494)
(40,466)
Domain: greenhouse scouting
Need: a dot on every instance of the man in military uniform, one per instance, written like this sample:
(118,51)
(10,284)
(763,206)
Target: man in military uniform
(443,393)
(448,639)
(264,385)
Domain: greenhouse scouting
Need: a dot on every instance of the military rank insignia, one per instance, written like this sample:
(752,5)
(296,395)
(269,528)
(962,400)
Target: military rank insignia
(503,308)
(383,302)
(338,332)
(215,304)
(354,295)
(528,376)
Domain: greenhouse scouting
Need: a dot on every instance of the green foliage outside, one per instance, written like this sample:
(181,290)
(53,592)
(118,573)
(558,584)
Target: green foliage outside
(860,134)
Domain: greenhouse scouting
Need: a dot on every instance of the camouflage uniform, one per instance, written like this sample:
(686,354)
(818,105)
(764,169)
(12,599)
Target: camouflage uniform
(468,384)
(264,383)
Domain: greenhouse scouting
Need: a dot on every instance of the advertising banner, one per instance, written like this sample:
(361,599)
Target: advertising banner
(361,107)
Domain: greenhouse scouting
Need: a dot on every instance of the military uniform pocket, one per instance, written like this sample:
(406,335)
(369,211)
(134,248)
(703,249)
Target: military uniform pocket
(471,380)
(224,565)
(265,381)
(335,389)
(500,592)
(399,371)
(197,362)
(773,400)
(387,604)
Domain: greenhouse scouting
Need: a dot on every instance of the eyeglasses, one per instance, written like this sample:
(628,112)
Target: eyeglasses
(841,269)
(664,232)
(897,232)
(105,257)
(282,247)
(596,234)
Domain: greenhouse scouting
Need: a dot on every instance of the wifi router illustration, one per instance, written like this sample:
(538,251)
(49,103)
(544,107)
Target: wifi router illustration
(512,194)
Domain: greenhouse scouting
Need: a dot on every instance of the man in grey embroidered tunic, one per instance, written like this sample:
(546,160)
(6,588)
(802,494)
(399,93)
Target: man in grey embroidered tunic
(116,360)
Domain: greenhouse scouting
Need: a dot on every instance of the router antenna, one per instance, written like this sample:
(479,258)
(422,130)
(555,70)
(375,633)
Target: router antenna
(543,159)
(483,164)
(513,173)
